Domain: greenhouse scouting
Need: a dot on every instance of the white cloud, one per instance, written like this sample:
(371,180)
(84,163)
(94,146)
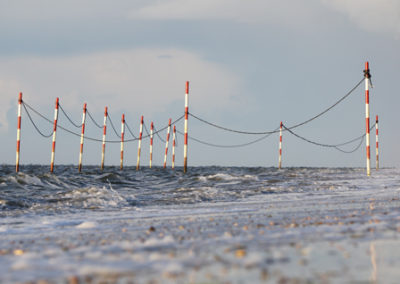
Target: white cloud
(141,80)
(287,13)
(381,16)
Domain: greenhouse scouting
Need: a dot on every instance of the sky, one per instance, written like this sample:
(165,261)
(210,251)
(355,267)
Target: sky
(250,64)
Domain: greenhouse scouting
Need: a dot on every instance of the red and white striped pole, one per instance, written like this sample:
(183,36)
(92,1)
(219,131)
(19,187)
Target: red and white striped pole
(82,137)
(122,141)
(367,75)
(166,143)
(185,146)
(103,149)
(18,133)
(173,147)
(53,148)
(280,147)
(377,144)
(151,144)
(139,144)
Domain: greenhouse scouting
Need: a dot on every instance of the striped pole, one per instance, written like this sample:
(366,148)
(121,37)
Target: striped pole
(139,143)
(185,146)
(18,133)
(122,141)
(151,143)
(166,143)
(377,144)
(280,147)
(367,75)
(82,136)
(173,147)
(103,149)
(53,149)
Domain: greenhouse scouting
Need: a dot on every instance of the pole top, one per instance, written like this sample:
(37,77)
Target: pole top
(152,125)
(281,124)
(187,87)
(367,75)
(376,118)
(169,122)
(20,97)
(106,111)
(141,120)
(123,118)
(366,65)
(57,100)
(174,128)
(84,107)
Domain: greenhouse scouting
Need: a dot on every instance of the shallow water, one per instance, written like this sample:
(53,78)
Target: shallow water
(214,224)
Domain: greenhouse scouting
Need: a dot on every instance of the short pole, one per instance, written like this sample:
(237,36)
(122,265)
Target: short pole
(82,137)
(139,143)
(53,148)
(185,146)
(122,141)
(151,144)
(18,133)
(367,76)
(103,148)
(377,144)
(166,143)
(280,147)
(173,147)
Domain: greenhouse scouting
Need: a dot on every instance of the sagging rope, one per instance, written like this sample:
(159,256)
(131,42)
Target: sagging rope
(79,135)
(275,131)
(130,131)
(335,146)
(227,146)
(94,122)
(33,123)
(70,120)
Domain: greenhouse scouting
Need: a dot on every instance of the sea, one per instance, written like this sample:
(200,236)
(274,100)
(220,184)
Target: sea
(209,225)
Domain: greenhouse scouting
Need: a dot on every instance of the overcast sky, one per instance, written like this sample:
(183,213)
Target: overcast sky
(250,65)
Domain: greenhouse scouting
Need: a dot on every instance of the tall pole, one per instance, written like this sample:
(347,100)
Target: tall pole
(166,143)
(121,166)
(173,147)
(82,137)
(185,146)
(367,76)
(139,143)
(18,133)
(151,144)
(377,144)
(53,148)
(280,147)
(103,148)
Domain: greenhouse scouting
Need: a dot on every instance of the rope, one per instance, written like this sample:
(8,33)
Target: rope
(70,120)
(226,146)
(331,145)
(95,123)
(159,137)
(112,126)
(33,123)
(130,131)
(275,131)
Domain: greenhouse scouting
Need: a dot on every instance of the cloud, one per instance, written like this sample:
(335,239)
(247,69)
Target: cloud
(382,16)
(287,13)
(139,80)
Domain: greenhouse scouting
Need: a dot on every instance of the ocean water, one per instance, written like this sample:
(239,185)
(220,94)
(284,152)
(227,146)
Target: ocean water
(211,225)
